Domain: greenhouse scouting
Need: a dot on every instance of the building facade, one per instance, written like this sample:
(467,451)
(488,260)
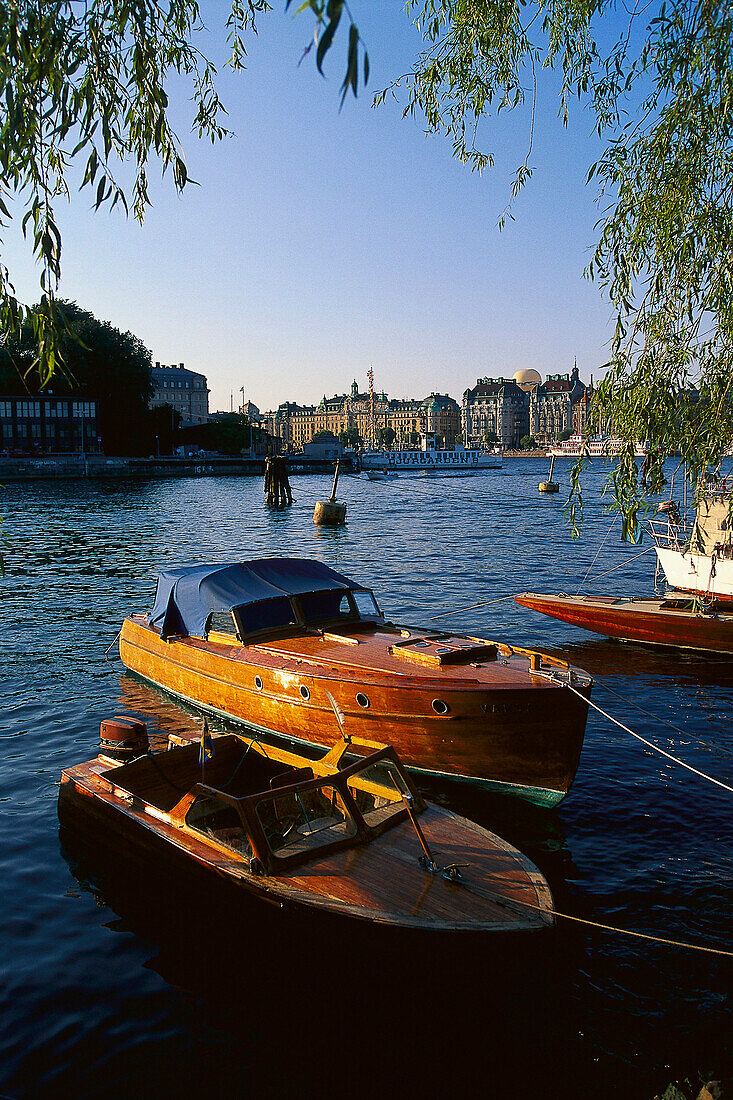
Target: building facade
(372,417)
(49,425)
(551,405)
(184,390)
(495,405)
(525,406)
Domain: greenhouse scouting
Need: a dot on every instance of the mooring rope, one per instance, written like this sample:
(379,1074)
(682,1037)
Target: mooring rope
(650,744)
(629,932)
(621,564)
(585,578)
(106,652)
(663,721)
(470,607)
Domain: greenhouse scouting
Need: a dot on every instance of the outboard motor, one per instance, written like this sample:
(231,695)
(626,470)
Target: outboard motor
(123,739)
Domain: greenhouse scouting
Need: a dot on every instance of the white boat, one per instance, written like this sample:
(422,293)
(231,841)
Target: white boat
(430,461)
(697,556)
(597,447)
(380,475)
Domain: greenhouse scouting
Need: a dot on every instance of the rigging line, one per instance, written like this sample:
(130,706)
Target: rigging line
(621,564)
(664,722)
(585,578)
(650,744)
(471,606)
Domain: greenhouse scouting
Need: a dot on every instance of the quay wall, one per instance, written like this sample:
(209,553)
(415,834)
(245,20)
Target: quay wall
(98,466)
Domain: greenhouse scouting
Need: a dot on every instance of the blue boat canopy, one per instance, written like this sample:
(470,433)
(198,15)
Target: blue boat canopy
(187,595)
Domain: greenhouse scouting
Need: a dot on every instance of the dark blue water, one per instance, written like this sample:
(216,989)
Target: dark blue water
(116,984)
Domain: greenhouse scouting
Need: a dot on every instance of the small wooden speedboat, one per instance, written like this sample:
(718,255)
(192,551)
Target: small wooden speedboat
(354,839)
(263,643)
(677,620)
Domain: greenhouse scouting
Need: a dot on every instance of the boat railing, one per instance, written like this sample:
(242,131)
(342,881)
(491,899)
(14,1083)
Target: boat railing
(670,532)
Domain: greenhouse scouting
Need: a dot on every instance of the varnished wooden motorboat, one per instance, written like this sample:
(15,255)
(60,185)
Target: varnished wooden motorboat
(678,621)
(355,840)
(263,643)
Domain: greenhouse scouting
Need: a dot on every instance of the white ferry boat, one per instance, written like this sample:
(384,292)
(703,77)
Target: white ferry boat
(429,461)
(597,447)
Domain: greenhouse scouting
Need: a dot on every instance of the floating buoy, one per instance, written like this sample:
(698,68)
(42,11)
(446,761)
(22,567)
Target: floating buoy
(550,486)
(329,513)
(123,739)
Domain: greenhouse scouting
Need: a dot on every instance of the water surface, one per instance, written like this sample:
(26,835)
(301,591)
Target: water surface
(115,985)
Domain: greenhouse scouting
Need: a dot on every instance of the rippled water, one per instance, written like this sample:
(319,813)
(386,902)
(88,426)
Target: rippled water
(113,986)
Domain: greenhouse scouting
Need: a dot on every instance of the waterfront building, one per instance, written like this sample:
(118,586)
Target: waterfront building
(185,390)
(406,418)
(551,405)
(442,418)
(250,410)
(370,416)
(525,405)
(495,405)
(49,424)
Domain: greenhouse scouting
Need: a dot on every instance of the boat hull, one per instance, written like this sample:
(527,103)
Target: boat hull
(647,621)
(381,882)
(519,738)
(697,573)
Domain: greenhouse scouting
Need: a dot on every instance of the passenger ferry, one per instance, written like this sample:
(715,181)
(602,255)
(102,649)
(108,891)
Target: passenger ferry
(597,447)
(429,461)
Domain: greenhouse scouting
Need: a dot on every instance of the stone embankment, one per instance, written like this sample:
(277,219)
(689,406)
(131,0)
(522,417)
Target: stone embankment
(27,468)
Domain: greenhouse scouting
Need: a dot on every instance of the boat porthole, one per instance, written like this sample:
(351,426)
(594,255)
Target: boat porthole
(258,683)
(440,707)
(304,692)
(362,699)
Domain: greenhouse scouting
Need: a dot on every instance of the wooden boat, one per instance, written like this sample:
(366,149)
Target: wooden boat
(263,642)
(353,839)
(674,621)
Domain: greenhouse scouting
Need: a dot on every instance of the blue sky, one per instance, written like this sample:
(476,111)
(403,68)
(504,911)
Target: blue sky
(322,242)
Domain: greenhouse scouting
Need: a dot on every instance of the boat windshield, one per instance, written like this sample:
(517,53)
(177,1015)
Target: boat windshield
(366,605)
(377,791)
(321,607)
(297,822)
(220,821)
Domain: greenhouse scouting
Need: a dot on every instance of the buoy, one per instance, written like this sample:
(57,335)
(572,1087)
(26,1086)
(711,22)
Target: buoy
(329,513)
(550,486)
(123,739)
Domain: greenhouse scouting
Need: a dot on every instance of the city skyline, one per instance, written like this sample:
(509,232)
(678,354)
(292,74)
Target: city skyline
(321,243)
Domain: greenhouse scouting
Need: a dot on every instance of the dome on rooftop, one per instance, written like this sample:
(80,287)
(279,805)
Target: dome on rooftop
(527,378)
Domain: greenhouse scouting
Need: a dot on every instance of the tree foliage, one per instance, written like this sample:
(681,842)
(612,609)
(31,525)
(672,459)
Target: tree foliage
(98,362)
(84,84)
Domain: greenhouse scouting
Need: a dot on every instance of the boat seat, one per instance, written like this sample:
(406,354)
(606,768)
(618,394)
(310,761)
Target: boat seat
(294,775)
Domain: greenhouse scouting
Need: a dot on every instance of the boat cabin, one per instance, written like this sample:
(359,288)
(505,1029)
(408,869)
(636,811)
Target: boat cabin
(269,815)
(266,597)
